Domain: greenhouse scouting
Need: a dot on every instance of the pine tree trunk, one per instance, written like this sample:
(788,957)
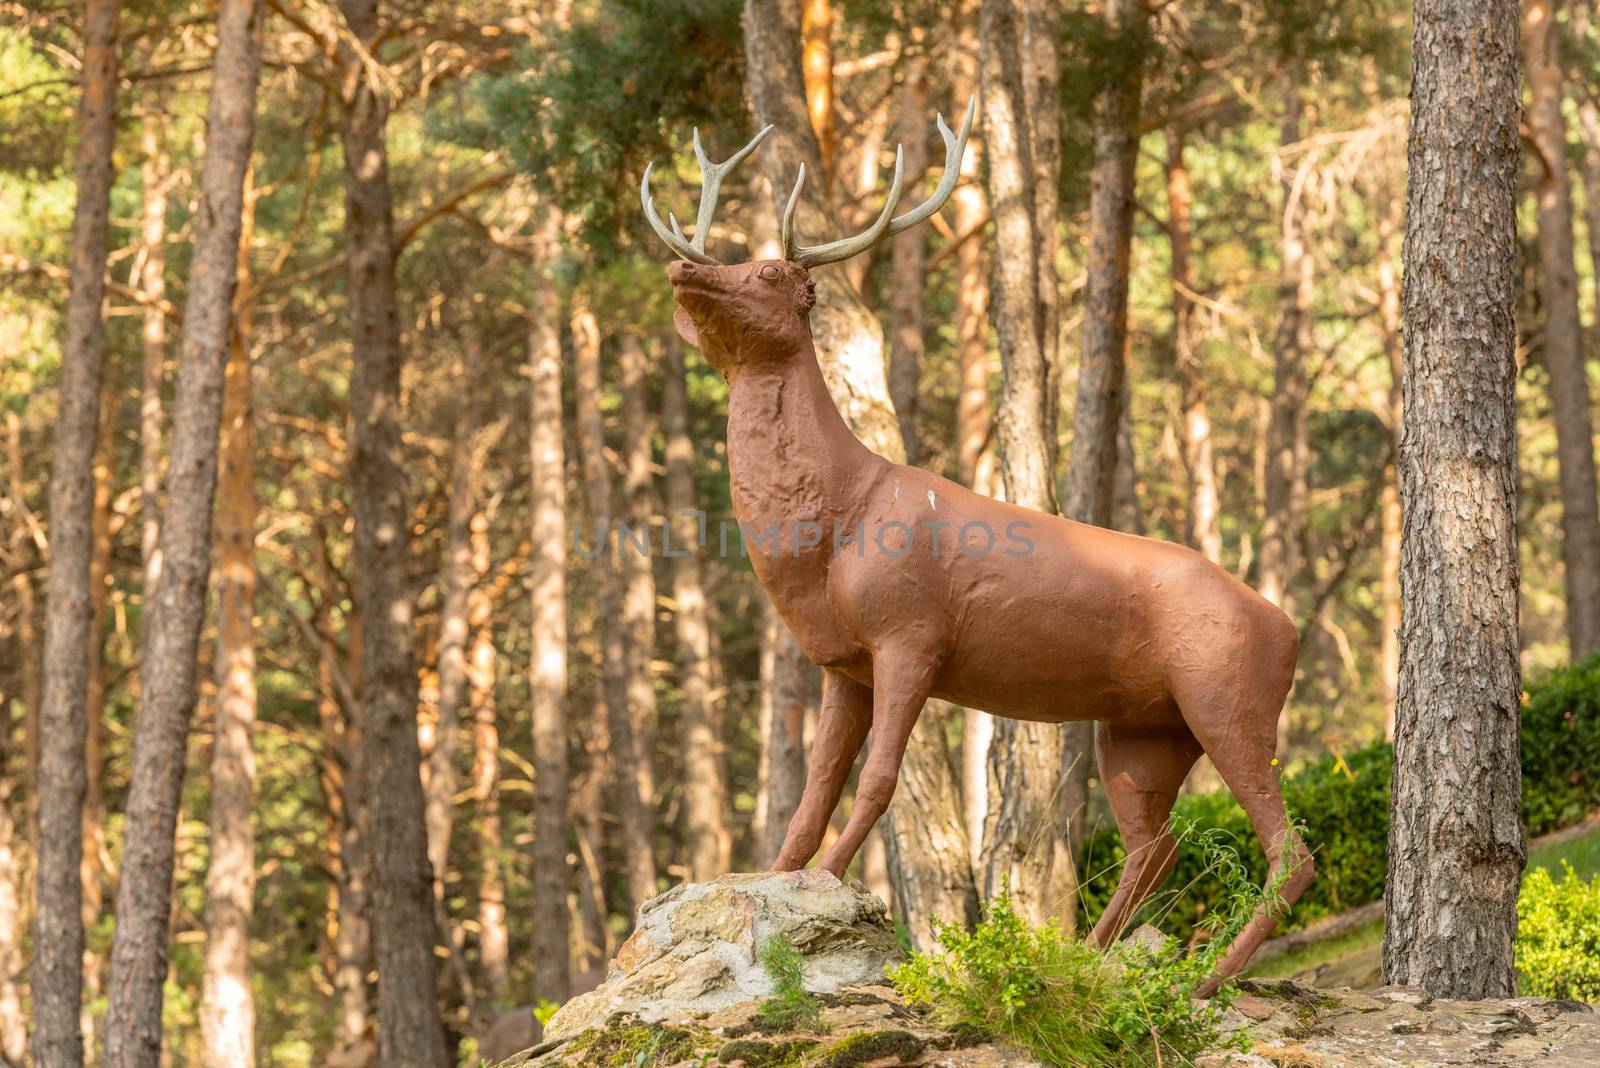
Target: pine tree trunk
(458,582)
(94,805)
(494,940)
(352,935)
(791,685)
(547,671)
(1279,562)
(177,609)
(57,970)
(849,345)
(227,1007)
(155,177)
(1204,532)
(1455,841)
(634,808)
(638,575)
(705,782)
(1091,474)
(1563,333)
(409,1029)
(1023,831)
(909,259)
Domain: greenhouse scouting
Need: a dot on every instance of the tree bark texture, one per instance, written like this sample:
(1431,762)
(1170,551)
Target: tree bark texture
(1455,842)
(705,782)
(1563,332)
(849,344)
(57,973)
(1091,474)
(177,609)
(227,1008)
(547,572)
(791,685)
(155,177)
(638,574)
(409,1029)
(634,807)
(1279,562)
(908,270)
(1204,512)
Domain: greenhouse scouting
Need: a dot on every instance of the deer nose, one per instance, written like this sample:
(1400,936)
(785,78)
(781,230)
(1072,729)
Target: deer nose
(680,271)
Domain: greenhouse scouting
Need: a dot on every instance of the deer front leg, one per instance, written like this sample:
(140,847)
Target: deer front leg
(900,686)
(842,727)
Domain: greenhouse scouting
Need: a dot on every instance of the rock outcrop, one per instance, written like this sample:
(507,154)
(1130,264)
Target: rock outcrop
(695,948)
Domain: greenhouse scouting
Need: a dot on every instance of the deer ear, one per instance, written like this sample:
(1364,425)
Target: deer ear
(685,325)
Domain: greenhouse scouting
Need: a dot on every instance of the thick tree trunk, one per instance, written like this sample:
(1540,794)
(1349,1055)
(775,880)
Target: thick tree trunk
(1280,530)
(705,783)
(909,260)
(1455,841)
(57,974)
(547,671)
(409,1029)
(638,575)
(634,807)
(1563,333)
(790,686)
(227,1007)
(177,609)
(849,345)
(1024,836)
(1203,515)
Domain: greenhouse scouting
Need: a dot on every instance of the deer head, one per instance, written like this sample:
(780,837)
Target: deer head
(740,314)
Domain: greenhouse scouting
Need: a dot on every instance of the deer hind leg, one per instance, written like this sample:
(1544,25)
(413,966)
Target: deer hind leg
(900,687)
(1239,736)
(841,730)
(1143,771)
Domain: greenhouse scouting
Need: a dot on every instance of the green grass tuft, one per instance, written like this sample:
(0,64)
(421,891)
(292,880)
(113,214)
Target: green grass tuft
(791,1005)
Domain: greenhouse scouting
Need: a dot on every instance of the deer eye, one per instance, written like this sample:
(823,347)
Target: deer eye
(771,273)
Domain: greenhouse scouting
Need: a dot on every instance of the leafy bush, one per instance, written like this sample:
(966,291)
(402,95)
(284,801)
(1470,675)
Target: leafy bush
(1561,747)
(791,1005)
(1345,806)
(1558,936)
(1069,1003)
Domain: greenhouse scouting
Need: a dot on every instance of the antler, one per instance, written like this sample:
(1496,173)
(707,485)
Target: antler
(885,226)
(711,175)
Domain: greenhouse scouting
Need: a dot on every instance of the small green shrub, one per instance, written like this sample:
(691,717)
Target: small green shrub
(1561,747)
(791,1005)
(1558,936)
(1066,1002)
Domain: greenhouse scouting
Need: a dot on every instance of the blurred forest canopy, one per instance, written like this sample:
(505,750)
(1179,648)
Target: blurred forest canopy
(593,729)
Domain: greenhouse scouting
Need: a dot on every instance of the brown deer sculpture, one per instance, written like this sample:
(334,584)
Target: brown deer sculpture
(903,586)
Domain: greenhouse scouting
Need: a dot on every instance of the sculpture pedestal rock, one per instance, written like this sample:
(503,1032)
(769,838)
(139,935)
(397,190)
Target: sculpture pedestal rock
(695,947)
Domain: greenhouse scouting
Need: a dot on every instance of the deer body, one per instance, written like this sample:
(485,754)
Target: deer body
(903,586)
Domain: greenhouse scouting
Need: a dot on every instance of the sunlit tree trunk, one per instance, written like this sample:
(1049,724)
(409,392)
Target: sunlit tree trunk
(908,271)
(177,608)
(1455,838)
(57,968)
(1279,562)
(547,567)
(816,61)
(1203,514)
(637,573)
(409,1029)
(705,782)
(634,808)
(849,345)
(227,1007)
(155,179)
(1563,332)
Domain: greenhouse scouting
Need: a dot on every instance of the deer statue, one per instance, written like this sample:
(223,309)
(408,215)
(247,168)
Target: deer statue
(902,585)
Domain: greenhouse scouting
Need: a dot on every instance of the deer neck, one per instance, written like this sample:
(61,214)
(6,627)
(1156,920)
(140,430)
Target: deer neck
(791,457)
